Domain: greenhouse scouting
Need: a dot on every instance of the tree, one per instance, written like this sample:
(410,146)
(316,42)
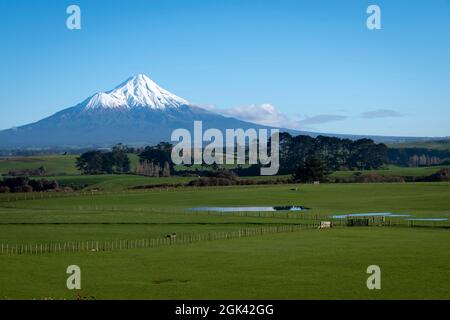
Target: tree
(160,156)
(91,162)
(166,170)
(97,162)
(310,170)
(120,160)
(367,155)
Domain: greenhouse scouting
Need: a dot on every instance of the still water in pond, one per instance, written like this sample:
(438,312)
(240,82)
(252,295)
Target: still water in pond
(250,209)
(387,214)
(374,214)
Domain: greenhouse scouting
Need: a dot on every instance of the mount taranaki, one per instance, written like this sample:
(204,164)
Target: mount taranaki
(137,112)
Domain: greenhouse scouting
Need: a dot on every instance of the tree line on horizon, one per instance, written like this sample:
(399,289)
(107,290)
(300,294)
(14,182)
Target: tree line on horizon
(100,162)
(325,154)
(335,153)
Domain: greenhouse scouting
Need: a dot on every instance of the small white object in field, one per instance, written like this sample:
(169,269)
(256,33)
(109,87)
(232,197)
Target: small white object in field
(325,225)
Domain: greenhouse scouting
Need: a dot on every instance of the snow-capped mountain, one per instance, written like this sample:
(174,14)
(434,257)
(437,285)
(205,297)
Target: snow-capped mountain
(137,112)
(137,92)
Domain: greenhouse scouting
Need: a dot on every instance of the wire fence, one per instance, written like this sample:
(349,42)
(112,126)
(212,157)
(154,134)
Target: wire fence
(12,197)
(21,196)
(172,239)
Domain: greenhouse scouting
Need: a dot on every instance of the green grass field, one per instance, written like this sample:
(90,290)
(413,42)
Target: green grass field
(392,171)
(306,264)
(436,144)
(114,182)
(55,165)
(62,169)
(123,182)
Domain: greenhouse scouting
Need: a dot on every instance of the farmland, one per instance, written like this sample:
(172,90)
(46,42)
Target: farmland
(55,164)
(303,265)
(306,264)
(392,171)
(62,169)
(430,144)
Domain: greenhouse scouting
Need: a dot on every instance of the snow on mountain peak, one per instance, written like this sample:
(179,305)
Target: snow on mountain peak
(137,92)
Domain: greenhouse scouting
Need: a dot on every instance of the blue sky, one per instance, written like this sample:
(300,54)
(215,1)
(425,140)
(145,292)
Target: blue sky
(312,65)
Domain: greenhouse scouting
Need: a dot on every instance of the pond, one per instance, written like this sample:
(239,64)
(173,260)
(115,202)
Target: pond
(386,214)
(249,209)
(373,214)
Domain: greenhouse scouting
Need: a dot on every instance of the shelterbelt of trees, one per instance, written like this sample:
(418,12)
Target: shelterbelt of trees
(336,153)
(416,157)
(97,162)
(330,153)
(24,184)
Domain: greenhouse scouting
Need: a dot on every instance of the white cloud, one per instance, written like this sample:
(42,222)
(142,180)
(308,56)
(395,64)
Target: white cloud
(381,113)
(267,114)
(322,118)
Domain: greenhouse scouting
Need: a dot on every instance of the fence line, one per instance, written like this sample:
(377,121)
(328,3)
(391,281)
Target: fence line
(12,197)
(95,246)
(22,196)
(35,195)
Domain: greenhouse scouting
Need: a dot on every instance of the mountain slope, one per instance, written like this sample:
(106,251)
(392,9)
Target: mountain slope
(105,127)
(137,112)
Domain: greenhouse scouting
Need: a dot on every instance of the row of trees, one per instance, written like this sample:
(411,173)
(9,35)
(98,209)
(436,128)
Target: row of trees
(155,161)
(297,155)
(416,157)
(151,169)
(24,184)
(335,153)
(312,159)
(98,162)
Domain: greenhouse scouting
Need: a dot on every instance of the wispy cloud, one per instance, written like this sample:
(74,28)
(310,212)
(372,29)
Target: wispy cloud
(322,118)
(381,113)
(269,115)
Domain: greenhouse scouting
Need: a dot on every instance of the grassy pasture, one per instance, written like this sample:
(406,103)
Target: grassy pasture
(392,171)
(115,182)
(54,165)
(308,264)
(433,144)
(123,182)
(62,168)
(420,199)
